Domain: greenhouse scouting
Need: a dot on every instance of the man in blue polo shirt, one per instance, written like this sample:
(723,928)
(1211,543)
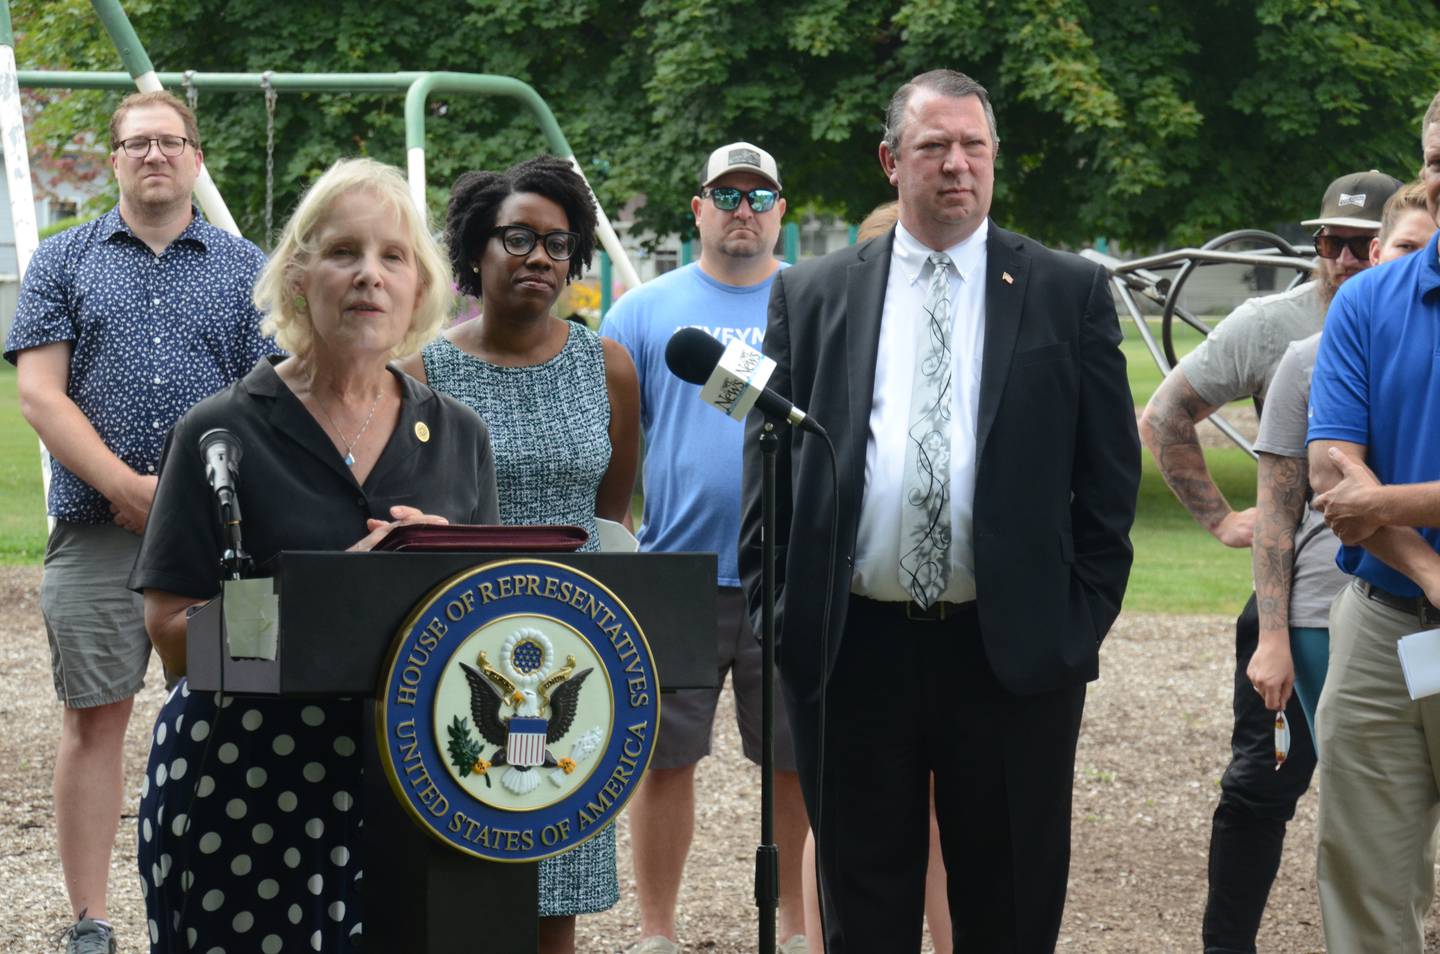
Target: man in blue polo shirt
(692,504)
(1375,398)
(122,324)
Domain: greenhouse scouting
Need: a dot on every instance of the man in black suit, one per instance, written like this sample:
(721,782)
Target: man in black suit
(973,386)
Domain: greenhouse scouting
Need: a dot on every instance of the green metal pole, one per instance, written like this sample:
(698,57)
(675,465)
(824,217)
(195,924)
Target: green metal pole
(605,281)
(854,231)
(123,35)
(7,33)
(792,242)
(232,82)
(687,251)
(416,86)
(446,82)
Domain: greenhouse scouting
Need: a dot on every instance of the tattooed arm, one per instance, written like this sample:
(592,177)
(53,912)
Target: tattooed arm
(1167,426)
(1279,504)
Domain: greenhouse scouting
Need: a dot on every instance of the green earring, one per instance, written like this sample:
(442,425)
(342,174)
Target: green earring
(300,303)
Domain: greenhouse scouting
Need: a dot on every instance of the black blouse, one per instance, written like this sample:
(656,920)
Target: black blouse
(295,491)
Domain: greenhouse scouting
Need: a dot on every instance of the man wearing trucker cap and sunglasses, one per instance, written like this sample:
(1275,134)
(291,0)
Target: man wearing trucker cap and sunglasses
(692,504)
(1238,359)
(1349,219)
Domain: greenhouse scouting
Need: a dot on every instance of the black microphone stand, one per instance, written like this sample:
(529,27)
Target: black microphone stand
(767,855)
(235,563)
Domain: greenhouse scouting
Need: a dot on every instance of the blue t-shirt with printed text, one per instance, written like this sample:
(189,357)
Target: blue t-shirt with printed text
(692,451)
(1377,383)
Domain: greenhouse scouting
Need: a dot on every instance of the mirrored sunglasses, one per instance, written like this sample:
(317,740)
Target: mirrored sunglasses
(727,199)
(521,239)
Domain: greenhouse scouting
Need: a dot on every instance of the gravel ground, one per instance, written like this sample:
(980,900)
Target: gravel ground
(1151,751)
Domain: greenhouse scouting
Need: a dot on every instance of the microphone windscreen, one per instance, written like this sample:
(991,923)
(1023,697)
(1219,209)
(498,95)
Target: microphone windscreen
(219,435)
(691,355)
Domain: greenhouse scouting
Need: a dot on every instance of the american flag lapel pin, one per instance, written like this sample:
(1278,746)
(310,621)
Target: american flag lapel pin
(1006,278)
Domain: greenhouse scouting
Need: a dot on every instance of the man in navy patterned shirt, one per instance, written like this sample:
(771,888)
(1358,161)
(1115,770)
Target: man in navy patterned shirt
(123,323)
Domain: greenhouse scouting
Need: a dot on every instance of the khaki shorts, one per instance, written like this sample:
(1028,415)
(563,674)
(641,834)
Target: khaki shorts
(98,645)
(687,716)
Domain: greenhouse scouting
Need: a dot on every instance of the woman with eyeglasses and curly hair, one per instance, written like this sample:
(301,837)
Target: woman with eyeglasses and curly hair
(562,405)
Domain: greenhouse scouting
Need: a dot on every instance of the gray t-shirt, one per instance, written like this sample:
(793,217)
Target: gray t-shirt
(1239,357)
(1316,578)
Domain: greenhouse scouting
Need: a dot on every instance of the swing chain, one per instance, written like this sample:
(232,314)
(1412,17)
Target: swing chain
(192,95)
(270,97)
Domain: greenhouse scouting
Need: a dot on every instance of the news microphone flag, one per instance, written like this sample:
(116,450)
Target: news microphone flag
(739,378)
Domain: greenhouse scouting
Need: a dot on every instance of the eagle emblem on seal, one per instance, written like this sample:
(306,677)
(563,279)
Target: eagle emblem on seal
(542,704)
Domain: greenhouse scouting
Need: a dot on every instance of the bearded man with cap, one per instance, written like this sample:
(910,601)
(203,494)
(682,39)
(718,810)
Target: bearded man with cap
(692,504)
(1237,360)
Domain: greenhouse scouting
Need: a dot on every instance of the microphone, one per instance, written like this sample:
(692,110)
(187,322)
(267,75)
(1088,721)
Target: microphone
(732,378)
(221,452)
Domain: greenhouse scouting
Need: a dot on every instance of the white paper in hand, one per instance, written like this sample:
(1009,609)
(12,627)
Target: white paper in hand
(614,538)
(1420,661)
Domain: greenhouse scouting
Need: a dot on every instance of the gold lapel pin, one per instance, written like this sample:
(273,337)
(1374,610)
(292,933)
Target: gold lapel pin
(422,431)
(1005,277)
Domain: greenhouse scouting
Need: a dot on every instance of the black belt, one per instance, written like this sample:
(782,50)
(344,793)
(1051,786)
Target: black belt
(915,613)
(1418,606)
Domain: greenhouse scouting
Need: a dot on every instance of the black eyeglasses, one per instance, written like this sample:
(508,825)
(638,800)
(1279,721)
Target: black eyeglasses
(1329,246)
(727,199)
(138,147)
(521,239)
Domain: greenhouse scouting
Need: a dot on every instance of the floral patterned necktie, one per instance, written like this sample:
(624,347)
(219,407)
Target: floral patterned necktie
(925,507)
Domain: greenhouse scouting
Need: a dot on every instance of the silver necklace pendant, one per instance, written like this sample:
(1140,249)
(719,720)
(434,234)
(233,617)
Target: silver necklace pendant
(350,444)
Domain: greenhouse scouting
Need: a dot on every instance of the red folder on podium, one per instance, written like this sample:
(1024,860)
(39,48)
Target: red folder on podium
(473,538)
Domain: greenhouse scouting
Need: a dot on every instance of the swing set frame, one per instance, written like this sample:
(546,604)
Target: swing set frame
(416,86)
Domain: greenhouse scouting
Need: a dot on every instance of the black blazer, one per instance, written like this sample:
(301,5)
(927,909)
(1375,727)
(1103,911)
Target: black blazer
(1058,462)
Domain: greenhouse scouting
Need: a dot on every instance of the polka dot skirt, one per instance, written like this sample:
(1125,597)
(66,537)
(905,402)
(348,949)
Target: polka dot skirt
(250,825)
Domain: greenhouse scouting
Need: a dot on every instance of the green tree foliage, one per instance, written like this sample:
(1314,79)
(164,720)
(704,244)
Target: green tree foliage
(1154,121)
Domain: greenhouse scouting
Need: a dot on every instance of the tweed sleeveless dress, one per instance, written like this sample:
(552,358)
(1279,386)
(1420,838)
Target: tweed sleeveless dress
(550,433)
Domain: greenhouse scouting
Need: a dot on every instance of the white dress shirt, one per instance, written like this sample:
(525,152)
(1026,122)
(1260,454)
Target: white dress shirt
(877,547)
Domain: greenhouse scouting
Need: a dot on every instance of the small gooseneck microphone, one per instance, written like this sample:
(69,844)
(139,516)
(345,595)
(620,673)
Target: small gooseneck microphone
(221,450)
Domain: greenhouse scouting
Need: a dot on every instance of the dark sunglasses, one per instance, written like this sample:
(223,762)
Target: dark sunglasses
(138,147)
(727,199)
(521,240)
(1329,246)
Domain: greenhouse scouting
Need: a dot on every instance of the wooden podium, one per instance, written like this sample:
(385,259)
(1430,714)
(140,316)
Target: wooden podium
(339,613)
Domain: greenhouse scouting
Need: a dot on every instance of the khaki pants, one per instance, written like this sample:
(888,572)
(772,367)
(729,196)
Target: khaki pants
(1379,787)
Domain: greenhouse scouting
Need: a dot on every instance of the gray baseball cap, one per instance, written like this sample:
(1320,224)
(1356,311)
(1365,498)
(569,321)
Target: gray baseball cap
(1356,200)
(740,157)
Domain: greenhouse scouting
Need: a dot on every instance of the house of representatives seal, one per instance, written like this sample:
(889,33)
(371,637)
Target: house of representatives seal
(518,711)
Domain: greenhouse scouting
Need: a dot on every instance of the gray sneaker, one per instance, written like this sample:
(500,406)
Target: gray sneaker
(88,937)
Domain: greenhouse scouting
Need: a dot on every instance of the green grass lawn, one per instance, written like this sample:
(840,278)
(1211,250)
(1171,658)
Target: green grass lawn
(1179,568)
(1143,371)
(22,503)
